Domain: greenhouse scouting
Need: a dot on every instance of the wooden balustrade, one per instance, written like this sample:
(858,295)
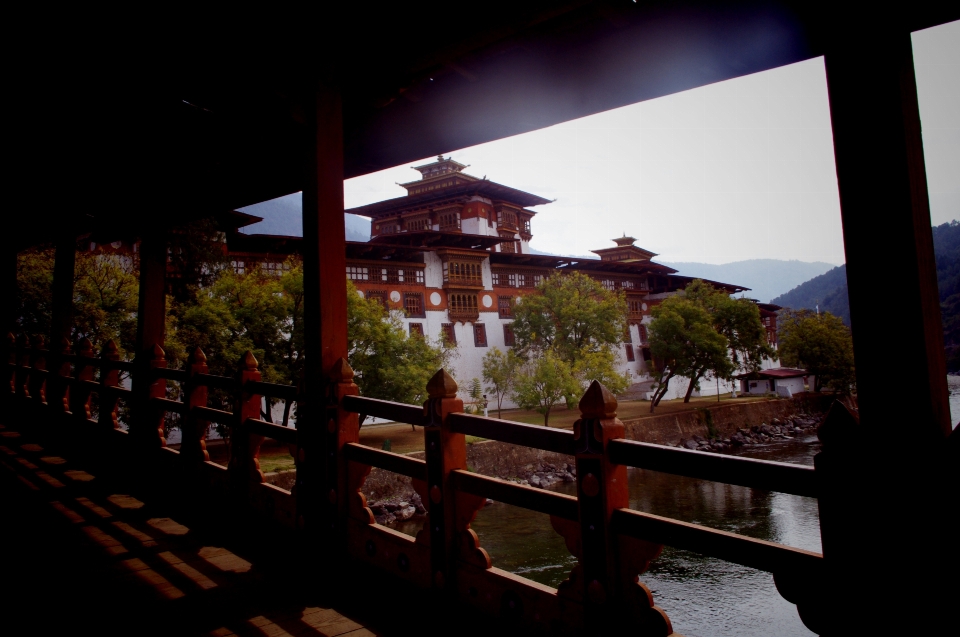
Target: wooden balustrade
(612,543)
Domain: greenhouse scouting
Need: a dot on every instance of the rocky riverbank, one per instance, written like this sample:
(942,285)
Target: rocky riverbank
(778,429)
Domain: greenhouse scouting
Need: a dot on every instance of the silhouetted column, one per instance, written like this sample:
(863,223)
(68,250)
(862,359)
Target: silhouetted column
(891,272)
(65,259)
(325,307)
(151,318)
(9,291)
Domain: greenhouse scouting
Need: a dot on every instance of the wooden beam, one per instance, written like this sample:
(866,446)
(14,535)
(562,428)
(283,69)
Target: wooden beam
(884,208)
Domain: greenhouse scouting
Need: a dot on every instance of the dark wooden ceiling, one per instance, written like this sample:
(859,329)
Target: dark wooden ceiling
(128,121)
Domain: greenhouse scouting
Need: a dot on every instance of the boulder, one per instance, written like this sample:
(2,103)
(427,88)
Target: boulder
(406,513)
(690,444)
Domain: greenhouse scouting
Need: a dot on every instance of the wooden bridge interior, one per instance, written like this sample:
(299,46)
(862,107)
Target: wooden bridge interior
(180,116)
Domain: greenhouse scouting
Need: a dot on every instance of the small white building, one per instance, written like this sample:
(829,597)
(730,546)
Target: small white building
(783,381)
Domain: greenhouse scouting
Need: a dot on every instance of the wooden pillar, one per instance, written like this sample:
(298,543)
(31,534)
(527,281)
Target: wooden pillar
(9,290)
(64,264)
(891,455)
(109,378)
(325,308)
(613,597)
(151,319)
(895,309)
(445,452)
(342,429)
(193,445)
(244,463)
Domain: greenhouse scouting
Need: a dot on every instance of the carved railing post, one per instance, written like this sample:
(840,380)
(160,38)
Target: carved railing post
(193,430)
(58,385)
(22,377)
(245,447)
(10,358)
(109,378)
(613,596)
(446,451)
(82,371)
(37,388)
(342,427)
(154,430)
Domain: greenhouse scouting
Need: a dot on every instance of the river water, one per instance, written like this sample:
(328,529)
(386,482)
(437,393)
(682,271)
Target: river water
(703,596)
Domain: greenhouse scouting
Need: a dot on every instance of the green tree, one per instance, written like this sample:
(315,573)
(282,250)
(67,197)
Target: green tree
(579,322)
(499,371)
(543,381)
(389,364)
(820,344)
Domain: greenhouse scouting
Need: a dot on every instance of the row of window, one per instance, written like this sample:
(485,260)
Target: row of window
(510,279)
(628,336)
(386,275)
(267,267)
(622,284)
(457,272)
(479,334)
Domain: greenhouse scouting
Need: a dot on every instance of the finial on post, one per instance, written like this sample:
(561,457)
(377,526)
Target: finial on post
(38,341)
(250,362)
(65,345)
(442,385)
(85,347)
(110,350)
(158,353)
(197,357)
(598,402)
(342,372)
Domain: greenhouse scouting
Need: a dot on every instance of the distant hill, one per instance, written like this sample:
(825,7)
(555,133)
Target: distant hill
(766,278)
(946,246)
(828,291)
(284,216)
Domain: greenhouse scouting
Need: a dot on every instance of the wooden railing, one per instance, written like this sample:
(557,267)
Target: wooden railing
(613,544)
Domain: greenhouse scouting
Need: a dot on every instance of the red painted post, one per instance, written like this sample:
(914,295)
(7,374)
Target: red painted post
(613,597)
(244,463)
(341,428)
(80,392)
(58,387)
(154,434)
(324,309)
(10,378)
(193,445)
(23,368)
(37,386)
(109,378)
(446,451)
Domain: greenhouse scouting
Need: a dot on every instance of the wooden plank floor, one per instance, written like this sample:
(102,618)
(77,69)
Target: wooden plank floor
(79,554)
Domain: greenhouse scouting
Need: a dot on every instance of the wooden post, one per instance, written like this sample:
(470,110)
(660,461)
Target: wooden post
(445,452)
(325,305)
(342,429)
(58,386)
(64,264)
(890,453)
(151,318)
(80,393)
(880,169)
(10,375)
(10,290)
(613,596)
(37,388)
(193,430)
(22,376)
(109,378)
(244,463)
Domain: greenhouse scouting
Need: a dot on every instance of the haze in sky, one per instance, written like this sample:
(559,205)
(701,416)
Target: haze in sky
(741,169)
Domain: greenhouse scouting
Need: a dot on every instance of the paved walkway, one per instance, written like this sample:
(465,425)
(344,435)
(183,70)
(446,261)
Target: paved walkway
(78,554)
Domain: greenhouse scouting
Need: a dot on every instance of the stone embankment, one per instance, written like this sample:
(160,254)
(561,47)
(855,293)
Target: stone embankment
(785,429)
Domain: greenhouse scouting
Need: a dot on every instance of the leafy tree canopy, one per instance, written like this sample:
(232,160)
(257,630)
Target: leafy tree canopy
(499,372)
(821,344)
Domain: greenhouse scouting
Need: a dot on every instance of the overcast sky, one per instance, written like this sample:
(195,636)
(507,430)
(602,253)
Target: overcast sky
(742,169)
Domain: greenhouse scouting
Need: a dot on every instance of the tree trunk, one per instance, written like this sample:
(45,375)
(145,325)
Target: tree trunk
(660,392)
(693,383)
(546,416)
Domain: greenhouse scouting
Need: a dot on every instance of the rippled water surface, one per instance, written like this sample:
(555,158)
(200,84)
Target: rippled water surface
(702,596)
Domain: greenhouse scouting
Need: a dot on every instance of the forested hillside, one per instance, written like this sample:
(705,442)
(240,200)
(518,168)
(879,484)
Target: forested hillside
(828,291)
(946,245)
